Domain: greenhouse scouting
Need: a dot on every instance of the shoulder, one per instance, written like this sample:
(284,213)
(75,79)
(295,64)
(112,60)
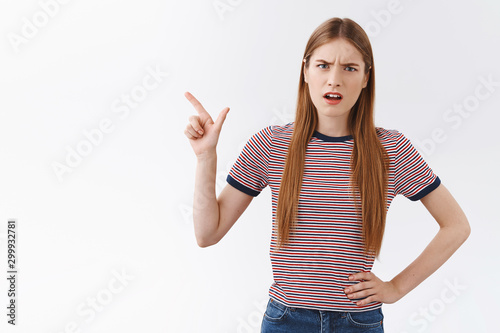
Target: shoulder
(271,132)
(393,140)
(390,137)
(387,134)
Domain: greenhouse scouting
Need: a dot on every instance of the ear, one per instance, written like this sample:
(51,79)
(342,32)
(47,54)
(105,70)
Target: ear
(305,72)
(367,76)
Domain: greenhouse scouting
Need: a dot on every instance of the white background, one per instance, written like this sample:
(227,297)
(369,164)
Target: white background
(125,207)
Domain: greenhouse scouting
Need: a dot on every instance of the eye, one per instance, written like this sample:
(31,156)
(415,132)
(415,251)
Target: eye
(322,65)
(352,69)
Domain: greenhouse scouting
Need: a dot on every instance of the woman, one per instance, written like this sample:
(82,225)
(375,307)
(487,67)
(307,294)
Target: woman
(332,175)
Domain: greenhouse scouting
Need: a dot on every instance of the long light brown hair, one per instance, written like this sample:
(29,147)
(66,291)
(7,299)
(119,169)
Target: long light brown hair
(369,160)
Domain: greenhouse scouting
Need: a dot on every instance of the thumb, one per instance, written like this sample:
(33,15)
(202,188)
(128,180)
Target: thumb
(220,119)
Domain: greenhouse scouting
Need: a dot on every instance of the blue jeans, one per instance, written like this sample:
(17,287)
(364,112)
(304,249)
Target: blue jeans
(280,318)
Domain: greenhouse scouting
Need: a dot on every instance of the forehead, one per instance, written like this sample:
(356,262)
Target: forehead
(337,49)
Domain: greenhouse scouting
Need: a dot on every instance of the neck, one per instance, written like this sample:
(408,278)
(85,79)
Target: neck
(333,127)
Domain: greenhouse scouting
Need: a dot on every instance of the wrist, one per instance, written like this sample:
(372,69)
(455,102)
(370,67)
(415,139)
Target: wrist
(207,155)
(397,289)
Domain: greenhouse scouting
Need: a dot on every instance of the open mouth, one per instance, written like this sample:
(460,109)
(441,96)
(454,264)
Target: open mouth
(333,96)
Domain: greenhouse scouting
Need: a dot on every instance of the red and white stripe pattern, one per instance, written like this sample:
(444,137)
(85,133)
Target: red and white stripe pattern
(326,246)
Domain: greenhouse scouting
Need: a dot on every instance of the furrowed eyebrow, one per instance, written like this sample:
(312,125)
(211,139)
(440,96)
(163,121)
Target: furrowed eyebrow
(326,62)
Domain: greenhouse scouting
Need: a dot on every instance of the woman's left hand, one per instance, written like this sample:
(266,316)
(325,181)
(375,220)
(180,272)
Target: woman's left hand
(372,288)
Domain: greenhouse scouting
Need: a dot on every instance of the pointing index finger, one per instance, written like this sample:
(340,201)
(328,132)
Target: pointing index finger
(197,105)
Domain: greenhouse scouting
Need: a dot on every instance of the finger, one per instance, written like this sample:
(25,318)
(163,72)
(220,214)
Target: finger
(192,132)
(367,300)
(188,135)
(356,287)
(197,105)
(355,290)
(360,276)
(220,119)
(194,121)
(361,294)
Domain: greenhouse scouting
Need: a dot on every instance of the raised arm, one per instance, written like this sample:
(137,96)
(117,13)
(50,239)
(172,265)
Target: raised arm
(212,217)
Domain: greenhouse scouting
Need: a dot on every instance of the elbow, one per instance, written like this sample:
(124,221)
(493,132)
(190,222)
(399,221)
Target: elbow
(465,230)
(207,237)
(459,231)
(204,242)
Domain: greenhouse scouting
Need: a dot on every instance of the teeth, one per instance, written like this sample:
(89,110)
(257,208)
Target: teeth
(332,95)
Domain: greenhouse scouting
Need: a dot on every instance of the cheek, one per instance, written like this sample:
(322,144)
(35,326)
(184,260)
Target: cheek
(313,88)
(356,87)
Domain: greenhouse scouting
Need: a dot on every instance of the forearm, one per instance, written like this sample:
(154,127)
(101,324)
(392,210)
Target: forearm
(439,250)
(205,205)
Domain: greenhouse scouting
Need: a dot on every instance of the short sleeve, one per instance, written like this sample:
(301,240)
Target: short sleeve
(413,177)
(249,172)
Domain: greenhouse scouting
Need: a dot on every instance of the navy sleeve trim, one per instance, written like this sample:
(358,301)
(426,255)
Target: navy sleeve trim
(241,187)
(426,190)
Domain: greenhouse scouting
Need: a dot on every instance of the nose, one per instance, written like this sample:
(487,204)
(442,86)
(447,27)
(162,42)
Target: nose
(335,76)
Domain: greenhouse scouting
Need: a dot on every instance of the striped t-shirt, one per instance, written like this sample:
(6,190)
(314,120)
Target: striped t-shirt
(312,270)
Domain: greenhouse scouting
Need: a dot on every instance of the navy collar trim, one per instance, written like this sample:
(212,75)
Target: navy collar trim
(332,138)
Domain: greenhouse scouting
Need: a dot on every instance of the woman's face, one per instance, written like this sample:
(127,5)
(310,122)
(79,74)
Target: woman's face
(337,67)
